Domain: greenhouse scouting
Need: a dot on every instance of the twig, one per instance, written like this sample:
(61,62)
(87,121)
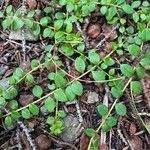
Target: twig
(120,134)
(144,114)
(107,36)
(82,34)
(27,133)
(79,112)
(24,10)
(19,144)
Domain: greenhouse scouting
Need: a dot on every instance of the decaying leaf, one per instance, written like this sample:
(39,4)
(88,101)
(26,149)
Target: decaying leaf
(136,143)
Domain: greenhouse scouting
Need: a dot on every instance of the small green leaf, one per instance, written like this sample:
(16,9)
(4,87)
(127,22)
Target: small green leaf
(31,14)
(136,17)
(19,72)
(8,121)
(102,110)
(1,14)
(59,80)
(44,21)
(50,120)
(36,29)
(17,24)
(69,27)
(34,63)
(90,132)
(13,104)
(103,10)
(26,113)
(34,109)
(127,9)
(67,49)
(111,121)
(37,91)
(58,24)
(47,32)
(51,76)
(9,9)
(30,78)
(145,35)
(106,127)
(81,47)
(13,92)
(98,75)
(120,109)
(136,87)
(116,92)
(15,115)
(6,23)
(61,113)
(93,57)
(59,35)
(134,50)
(69,93)
(112,11)
(60,95)
(2,102)
(80,65)
(77,88)
(136,4)
(50,104)
(140,72)
(109,61)
(127,70)
(145,62)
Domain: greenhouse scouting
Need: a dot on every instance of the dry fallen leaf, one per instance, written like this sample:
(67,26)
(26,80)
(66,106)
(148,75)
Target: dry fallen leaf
(25,99)
(104,146)
(136,142)
(84,142)
(132,128)
(94,30)
(31,4)
(108,30)
(43,142)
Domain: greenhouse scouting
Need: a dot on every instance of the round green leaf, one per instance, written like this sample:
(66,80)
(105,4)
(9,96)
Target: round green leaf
(93,57)
(8,121)
(134,50)
(127,70)
(120,109)
(80,65)
(102,110)
(136,87)
(37,91)
(29,78)
(90,132)
(50,104)
(59,80)
(77,88)
(60,95)
(26,113)
(34,109)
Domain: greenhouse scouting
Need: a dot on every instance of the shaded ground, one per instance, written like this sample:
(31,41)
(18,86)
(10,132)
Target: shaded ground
(129,132)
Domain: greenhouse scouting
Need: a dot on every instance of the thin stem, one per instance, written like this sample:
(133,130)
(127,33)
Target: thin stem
(113,105)
(49,94)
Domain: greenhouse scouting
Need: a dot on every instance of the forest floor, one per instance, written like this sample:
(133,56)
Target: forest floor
(74,75)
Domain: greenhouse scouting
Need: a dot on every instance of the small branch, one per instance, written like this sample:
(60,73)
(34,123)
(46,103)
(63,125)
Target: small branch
(106,37)
(27,133)
(19,144)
